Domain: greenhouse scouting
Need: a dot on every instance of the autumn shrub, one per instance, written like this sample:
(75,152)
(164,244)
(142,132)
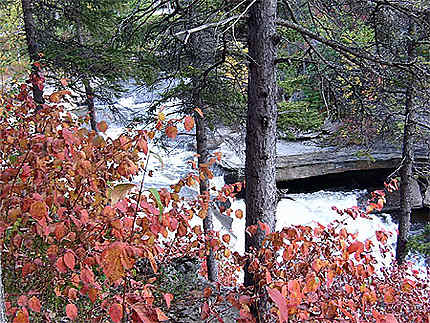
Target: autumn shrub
(72,224)
(81,241)
(324,274)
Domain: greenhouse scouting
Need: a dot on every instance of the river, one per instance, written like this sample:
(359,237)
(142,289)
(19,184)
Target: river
(303,209)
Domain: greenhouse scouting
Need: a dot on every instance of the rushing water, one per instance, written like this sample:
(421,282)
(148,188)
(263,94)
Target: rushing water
(170,164)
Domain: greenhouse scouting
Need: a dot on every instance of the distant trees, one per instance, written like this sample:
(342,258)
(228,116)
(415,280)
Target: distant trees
(77,42)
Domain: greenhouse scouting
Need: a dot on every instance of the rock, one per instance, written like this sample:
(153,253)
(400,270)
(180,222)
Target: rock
(330,126)
(426,198)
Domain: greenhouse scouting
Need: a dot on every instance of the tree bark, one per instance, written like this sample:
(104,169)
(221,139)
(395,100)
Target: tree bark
(406,171)
(208,226)
(89,93)
(33,49)
(202,53)
(261,197)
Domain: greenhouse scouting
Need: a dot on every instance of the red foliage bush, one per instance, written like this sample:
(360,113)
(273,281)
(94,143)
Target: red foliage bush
(72,237)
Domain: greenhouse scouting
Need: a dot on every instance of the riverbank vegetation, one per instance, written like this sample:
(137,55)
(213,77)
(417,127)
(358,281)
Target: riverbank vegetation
(80,242)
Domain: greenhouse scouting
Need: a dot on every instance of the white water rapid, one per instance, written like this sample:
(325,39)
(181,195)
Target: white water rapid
(305,209)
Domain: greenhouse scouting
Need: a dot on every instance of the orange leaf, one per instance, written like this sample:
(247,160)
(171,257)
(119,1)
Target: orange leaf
(64,81)
(294,286)
(168,298)
(239,214)
(102,126)
(21,316)
(171,132)
(188,123)
(115,312)
(199,111)
(115,261)
(34,304)
(161,116)
(226,238)
(71,311)
(207,292)
(57,96)
(93,294)
(69,260)
(38,210)
(389,296)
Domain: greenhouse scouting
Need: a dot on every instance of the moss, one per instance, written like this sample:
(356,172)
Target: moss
(420,243)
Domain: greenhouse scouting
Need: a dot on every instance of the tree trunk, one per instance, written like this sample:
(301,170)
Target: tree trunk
(3,318)
(89,93)
(202,54)
(208,226)
(260,165)
(33,49)
(406,171)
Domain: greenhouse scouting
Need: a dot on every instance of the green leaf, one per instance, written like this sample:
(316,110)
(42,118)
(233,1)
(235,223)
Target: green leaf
(158,199)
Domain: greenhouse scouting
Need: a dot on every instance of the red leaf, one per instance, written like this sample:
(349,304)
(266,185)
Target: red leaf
(34,304)
(226,238)
(205,311)
(61,267)
(87,276)
(356,246)
(168,298)
(264,227)
(22,300)
(160,315)
(280,302)
(188,123)
(69,259)
(115,313)
(64,81)
(143,145)
(68,136)
(171,132)
(390,318)
(71,311)
(102,126)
